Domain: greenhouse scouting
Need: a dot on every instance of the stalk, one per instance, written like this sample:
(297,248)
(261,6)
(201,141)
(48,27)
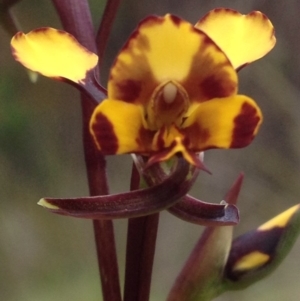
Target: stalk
(141,242)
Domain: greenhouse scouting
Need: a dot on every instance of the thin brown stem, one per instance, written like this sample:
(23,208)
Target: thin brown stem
(107,263)
(106,24)
(103,229)
(9,22)
(141,242)
(76,19)
(6,4)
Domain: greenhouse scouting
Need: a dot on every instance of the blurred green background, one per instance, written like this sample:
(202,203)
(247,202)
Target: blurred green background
(49,257)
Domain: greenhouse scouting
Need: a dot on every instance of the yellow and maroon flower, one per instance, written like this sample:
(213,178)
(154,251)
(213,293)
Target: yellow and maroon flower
(173,89)
(173,86)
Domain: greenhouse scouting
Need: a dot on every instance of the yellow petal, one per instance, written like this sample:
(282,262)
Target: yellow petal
(53,53)
(164,49)
(117,128)
(244,38)
(251,261)
(230,122)
(280,220)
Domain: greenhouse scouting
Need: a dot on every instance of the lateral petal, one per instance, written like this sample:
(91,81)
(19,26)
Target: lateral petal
(170,49)
(53,53)
(230,122)
(117,128)
(244,38)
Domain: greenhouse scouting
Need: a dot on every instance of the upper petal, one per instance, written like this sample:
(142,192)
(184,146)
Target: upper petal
(230,122)
(170,49)
(53,53)
(244,38)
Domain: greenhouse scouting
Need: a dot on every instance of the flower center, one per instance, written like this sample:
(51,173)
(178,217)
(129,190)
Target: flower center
(169,92)
(169,102)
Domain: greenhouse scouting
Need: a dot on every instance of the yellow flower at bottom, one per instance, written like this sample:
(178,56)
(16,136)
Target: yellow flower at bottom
(172,90)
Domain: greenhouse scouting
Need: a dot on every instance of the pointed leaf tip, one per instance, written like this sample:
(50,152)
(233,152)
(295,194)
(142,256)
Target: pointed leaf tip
(280,220)
(200,279)
(233,193)
(207,214)
(44,203)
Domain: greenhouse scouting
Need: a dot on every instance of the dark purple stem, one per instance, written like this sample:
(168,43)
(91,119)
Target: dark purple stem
(106,24)
(6,4)
(75,16)
(103,229)
(141,242)
(9,21)
(76,19)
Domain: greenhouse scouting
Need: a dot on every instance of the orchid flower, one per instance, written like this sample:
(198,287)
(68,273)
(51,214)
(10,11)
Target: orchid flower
(173,86)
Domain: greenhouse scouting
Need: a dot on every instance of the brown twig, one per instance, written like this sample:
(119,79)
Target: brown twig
(76,19)
(106,24)
(141,242)
(103,229)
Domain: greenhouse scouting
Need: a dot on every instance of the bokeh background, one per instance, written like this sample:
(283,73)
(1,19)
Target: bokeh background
(48,257)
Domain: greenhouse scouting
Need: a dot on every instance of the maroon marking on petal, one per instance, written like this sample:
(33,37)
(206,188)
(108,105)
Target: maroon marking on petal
(195,135)
(160,138)
(150,20)
(264,18)
(132,36)
(213,86)
(14,53)
(207,77)
(241,67)
(129,90)
(228,10)
(41,29)
(254,13)
(176,20)
(18,35)
(105,135)
(147,22)
(145,139)
(244,126)
(160,155)
(218,10)
(59,31)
